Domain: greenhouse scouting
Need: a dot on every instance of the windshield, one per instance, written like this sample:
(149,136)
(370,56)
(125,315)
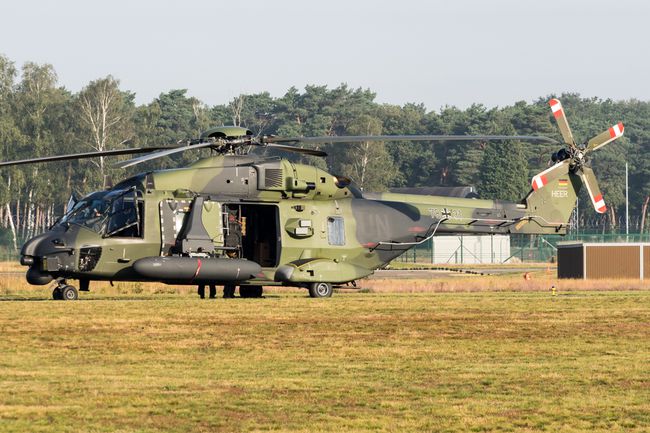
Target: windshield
(89,212)
(106,212)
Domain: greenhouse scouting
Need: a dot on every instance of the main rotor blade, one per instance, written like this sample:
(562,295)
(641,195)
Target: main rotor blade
(362,138)
(313,152)
(550,174)
(606,137)
(82,155)
(589,180)
(155,155)
(562,123)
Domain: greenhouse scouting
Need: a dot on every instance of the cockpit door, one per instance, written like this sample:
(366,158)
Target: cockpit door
(123,238)
(125,216)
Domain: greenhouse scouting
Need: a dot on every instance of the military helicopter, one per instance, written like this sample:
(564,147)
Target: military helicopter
(236,219)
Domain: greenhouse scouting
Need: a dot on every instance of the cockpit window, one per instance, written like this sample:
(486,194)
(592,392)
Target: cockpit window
(89,212)
(112,213)
(124,216)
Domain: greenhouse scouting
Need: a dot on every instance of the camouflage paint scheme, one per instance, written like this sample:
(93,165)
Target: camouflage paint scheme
(269,221)
(310,203)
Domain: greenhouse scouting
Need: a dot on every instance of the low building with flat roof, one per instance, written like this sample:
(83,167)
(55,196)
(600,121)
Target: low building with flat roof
(603,260)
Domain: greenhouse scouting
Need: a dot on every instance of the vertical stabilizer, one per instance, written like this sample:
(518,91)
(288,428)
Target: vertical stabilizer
(553,197)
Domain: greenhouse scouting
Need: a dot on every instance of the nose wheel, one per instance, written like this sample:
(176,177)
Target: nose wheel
(64,292)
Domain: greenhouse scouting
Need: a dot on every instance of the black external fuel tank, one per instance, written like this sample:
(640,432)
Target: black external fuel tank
(196,270)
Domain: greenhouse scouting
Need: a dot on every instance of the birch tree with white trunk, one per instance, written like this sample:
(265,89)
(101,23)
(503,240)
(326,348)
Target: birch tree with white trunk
(106,113)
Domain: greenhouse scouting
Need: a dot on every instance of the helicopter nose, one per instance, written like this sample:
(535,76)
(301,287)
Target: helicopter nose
(37,246)
(45,244)
(47,255)
(28,253)
(30,256)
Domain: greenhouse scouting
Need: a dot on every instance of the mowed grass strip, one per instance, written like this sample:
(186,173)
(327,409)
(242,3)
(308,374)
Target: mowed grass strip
(355,362)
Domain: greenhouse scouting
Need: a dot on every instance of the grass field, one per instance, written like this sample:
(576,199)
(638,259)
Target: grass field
(450,362)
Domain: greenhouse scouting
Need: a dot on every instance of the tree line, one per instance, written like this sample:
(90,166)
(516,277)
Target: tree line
(39,117)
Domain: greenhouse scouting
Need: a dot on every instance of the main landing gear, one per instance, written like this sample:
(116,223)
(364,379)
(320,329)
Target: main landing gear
(64,292)
(320,290)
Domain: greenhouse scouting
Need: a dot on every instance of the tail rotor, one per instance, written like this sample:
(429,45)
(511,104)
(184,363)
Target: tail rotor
(576,157)
(589,181)
(562,123)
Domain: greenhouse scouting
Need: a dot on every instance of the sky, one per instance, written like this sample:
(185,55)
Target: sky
(454,52)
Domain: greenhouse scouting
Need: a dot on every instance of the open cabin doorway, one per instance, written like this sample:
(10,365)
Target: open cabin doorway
(256,229)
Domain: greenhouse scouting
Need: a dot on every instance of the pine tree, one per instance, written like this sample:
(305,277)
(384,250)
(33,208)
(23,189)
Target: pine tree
(503,171)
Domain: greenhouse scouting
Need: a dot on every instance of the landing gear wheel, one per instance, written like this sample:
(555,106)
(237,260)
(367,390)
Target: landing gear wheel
(69,293)
(57,294)
(229,291)
(320,290)
(251,291)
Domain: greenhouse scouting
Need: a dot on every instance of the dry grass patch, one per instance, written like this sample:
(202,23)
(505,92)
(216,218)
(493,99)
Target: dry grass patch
(540,282)
(357,362)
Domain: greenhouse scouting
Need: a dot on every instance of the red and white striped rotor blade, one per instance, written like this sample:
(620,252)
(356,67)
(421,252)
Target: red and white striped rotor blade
(562,123)
(606,137)
(589,180)
(550,174)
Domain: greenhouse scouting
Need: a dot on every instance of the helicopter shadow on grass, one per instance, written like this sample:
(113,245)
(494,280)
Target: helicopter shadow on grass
(132,298)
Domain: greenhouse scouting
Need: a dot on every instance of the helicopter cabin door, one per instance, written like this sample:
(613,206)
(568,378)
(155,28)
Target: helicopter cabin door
(252,231)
